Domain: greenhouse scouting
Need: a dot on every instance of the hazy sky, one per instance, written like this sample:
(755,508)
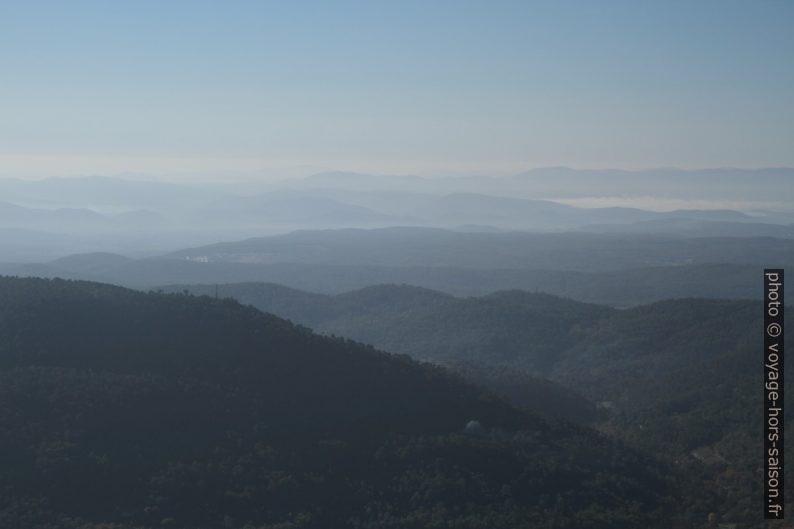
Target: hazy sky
(426,87)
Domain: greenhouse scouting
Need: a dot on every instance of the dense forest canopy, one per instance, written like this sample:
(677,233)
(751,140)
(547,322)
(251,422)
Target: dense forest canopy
(677,378)
(151,410)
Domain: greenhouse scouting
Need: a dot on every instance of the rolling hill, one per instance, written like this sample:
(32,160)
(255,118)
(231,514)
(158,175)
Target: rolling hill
(619,288)
(678,377)
(542,333)
(130,410)
(574,251)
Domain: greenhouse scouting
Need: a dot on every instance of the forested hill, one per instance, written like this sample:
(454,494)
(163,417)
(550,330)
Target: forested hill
(417,246)
(679,378)
(130,410)
(559,338)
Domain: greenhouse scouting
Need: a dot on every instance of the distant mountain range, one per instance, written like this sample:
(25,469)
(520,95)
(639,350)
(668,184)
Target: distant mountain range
(76,219)
(614,269)
(763,185)
(509,250)
(102,192)
(136,217)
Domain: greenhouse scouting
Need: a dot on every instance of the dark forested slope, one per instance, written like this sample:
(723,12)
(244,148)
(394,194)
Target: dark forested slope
(147,410)
(573,342)
(680,378)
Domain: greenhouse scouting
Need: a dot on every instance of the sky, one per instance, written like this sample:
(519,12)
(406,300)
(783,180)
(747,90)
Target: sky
(197,88)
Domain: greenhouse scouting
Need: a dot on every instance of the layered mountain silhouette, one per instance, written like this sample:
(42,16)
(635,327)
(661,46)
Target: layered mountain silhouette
(615,269)
(140,216)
